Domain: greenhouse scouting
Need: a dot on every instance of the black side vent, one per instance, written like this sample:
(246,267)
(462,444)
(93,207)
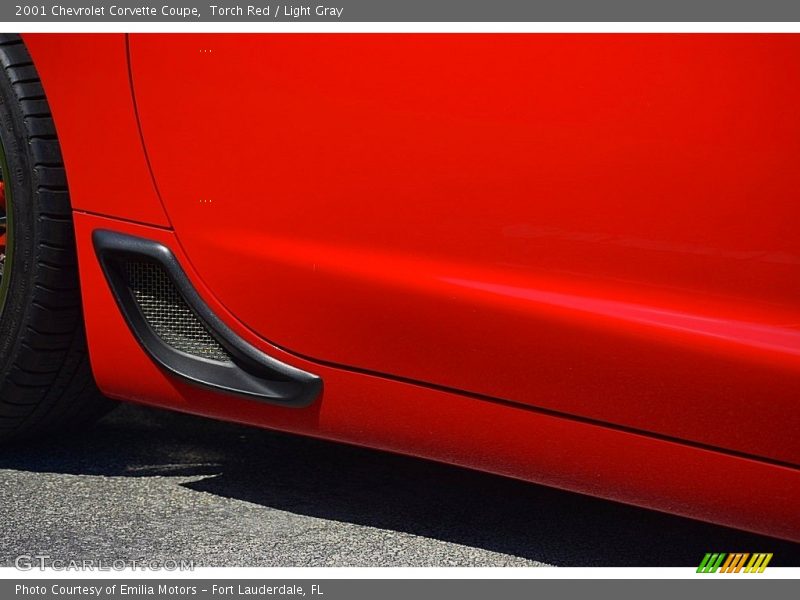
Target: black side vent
(167,313)
(182,334)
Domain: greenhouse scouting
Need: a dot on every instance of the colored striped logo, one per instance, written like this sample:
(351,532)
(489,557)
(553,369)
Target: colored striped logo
(734,563)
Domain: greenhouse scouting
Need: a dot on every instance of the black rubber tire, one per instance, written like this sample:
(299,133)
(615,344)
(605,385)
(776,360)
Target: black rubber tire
(45,379)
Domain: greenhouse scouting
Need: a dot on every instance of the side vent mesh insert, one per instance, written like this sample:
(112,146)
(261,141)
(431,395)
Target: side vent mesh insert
(167,313)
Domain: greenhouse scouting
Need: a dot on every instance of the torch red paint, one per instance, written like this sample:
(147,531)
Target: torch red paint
(571,259)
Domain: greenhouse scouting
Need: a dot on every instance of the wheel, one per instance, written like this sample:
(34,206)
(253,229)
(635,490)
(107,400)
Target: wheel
(45,379)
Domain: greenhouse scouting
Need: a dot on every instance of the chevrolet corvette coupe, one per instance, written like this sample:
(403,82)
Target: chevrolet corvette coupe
(568,259)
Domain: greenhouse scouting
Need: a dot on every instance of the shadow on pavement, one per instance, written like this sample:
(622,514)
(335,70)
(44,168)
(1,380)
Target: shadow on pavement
(355,485)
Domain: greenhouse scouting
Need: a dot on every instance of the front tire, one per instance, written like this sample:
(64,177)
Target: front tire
(45,378)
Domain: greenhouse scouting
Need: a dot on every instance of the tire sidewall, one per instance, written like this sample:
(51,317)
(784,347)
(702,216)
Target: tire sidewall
(19,181)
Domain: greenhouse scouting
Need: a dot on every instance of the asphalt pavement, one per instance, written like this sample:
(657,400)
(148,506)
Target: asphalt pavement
(145,483)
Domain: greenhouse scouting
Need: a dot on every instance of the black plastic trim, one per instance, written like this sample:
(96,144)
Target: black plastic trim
(251,373)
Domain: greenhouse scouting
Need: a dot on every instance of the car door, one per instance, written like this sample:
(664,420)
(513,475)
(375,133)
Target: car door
(598,226)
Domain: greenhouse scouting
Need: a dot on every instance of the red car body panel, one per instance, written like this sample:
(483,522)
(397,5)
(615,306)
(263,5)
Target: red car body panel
(599,225)
(403,417)
(570,259)
(89,91)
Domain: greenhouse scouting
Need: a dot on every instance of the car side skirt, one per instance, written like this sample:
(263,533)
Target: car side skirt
(399,416)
